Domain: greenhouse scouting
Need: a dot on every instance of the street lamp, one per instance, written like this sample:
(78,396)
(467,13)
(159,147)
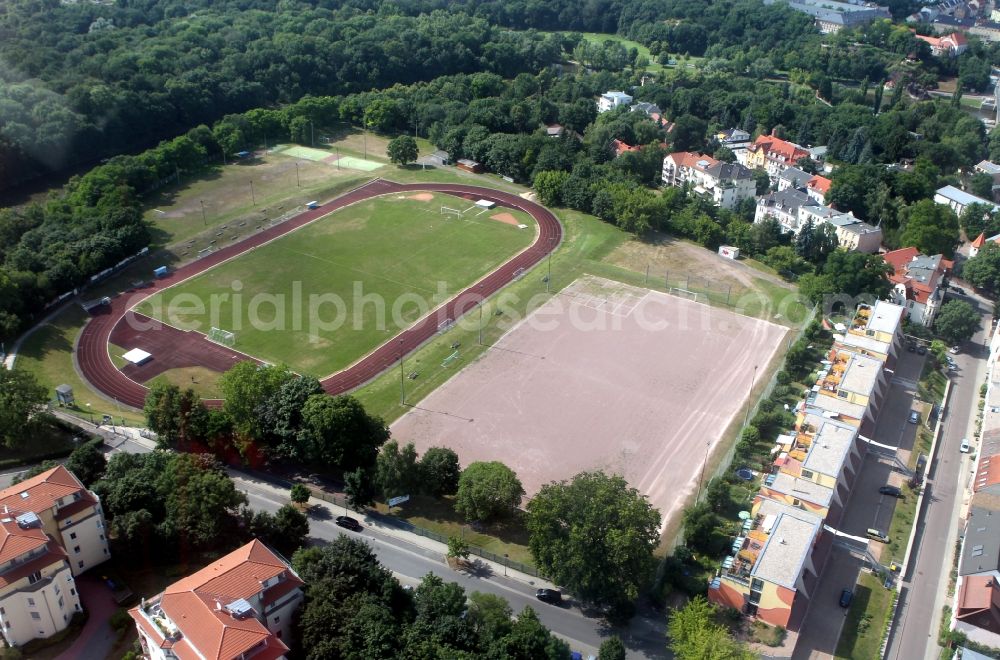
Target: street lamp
(90,412)
(548,275)
(746,417)
(506,560)
(203,220)
(297,184)
(253,199)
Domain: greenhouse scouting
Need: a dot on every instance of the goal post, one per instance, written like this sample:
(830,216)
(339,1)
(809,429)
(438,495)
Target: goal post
(223,337)
(683,293)
(447,210)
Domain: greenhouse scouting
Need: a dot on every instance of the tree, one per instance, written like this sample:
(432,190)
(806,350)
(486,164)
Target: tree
(397,471)
(21,400)
(402,150)
(694,634)
(457,548)
(360,488)
(930,227)
(595,535)
(611,649)
(281,416)
(299,493)
(983,270)
(247,387)
(548,185)
(338,432)
(87,462)
(956,322)
(528,639)
(487,490)
(440,471)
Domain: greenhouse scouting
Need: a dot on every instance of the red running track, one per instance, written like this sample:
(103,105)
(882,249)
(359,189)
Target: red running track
(94,359)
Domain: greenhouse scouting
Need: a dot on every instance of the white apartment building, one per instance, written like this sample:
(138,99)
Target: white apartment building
(725,183)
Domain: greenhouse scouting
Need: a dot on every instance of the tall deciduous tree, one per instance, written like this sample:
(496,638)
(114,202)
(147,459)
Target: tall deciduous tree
(930,227)
(402,150)
(487,490)
(611,649)
(87,462)
(595,535)
(338,432)
(440,471)
(247,387)
(956,322)
(397,470)
(21,399)
(694,635)
(983,270)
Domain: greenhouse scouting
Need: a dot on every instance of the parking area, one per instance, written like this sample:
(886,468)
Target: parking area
(825,619)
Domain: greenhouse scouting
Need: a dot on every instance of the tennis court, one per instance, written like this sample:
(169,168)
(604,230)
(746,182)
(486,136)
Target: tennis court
(353,163)
(306,153)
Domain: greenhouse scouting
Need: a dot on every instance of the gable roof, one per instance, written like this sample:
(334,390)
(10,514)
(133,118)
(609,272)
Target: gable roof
(978,602)
(784,150)
(197,604)
(987,473)
(981,547)
(918,274)
(819,183)
(41,492)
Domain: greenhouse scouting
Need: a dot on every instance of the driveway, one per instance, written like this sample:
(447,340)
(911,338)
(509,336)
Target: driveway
(97,638)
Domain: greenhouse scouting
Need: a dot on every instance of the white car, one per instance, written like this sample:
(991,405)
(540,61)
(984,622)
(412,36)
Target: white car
(953,350)
(964,447)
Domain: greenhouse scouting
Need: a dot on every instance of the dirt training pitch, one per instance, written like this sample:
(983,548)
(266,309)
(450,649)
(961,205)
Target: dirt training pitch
(602,376)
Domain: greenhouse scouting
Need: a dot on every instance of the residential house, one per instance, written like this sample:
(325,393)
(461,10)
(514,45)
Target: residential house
(726,184)
(37,592)
(818,187)
(977,596)
(554,130)
(979,241)
(783,206)
(950,45)
(771,572)
(470,166)
(646,108)
(241,606)
(733,138)
(773,155)
(793,177)
(69,513)
(833,16)
(620,147)
(856,235)
(918,283)
(875,331)
(957,200)
(440,157)
(612,100)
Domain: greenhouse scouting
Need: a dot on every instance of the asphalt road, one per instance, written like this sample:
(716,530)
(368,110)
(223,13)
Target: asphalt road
(411,562)
(923,590)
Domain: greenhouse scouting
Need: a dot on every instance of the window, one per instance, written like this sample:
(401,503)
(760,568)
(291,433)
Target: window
(61,605)
(72,535)
(807,474)
(57,589)
(757,584)
(796,502)
(72,592)
(34,577)
(76,549)
(102,536)
(3,612)
(80,564)
(36,616)
(277,619)
(754,597)
(31,601)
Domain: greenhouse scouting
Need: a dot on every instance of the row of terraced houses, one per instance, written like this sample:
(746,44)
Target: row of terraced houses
(780,550)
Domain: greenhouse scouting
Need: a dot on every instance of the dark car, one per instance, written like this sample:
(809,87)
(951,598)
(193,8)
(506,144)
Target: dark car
(890,490)
(911,348)
(846,596)
(921,350)
(914,417)
(348,523)
(550,596)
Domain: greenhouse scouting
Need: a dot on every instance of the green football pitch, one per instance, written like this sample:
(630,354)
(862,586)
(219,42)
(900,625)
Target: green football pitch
(323,296)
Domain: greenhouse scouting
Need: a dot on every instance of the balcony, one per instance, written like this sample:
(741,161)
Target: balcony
(153,614)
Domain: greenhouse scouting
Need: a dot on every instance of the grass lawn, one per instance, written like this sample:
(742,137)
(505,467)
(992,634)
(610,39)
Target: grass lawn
(438,515)
(899,529)
(862,632)
(384,263)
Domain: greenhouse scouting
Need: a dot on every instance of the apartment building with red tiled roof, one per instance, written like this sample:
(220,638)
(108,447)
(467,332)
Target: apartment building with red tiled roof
(238,607)
(68,512)
(774,155)
(918,282)
(37,593)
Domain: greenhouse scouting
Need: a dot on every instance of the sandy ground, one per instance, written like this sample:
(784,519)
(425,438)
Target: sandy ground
(505,218)
(422,197)
(602,376)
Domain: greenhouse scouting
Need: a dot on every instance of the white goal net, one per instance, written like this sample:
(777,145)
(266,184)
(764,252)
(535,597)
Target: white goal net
(683,293)
(220,336)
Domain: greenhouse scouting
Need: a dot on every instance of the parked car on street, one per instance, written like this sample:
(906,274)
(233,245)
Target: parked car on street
(953,350)
(348,523)
(550,596)
(914,417)
(964,447)
(846,596)
(921,350)
(877,535)
(890,490)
